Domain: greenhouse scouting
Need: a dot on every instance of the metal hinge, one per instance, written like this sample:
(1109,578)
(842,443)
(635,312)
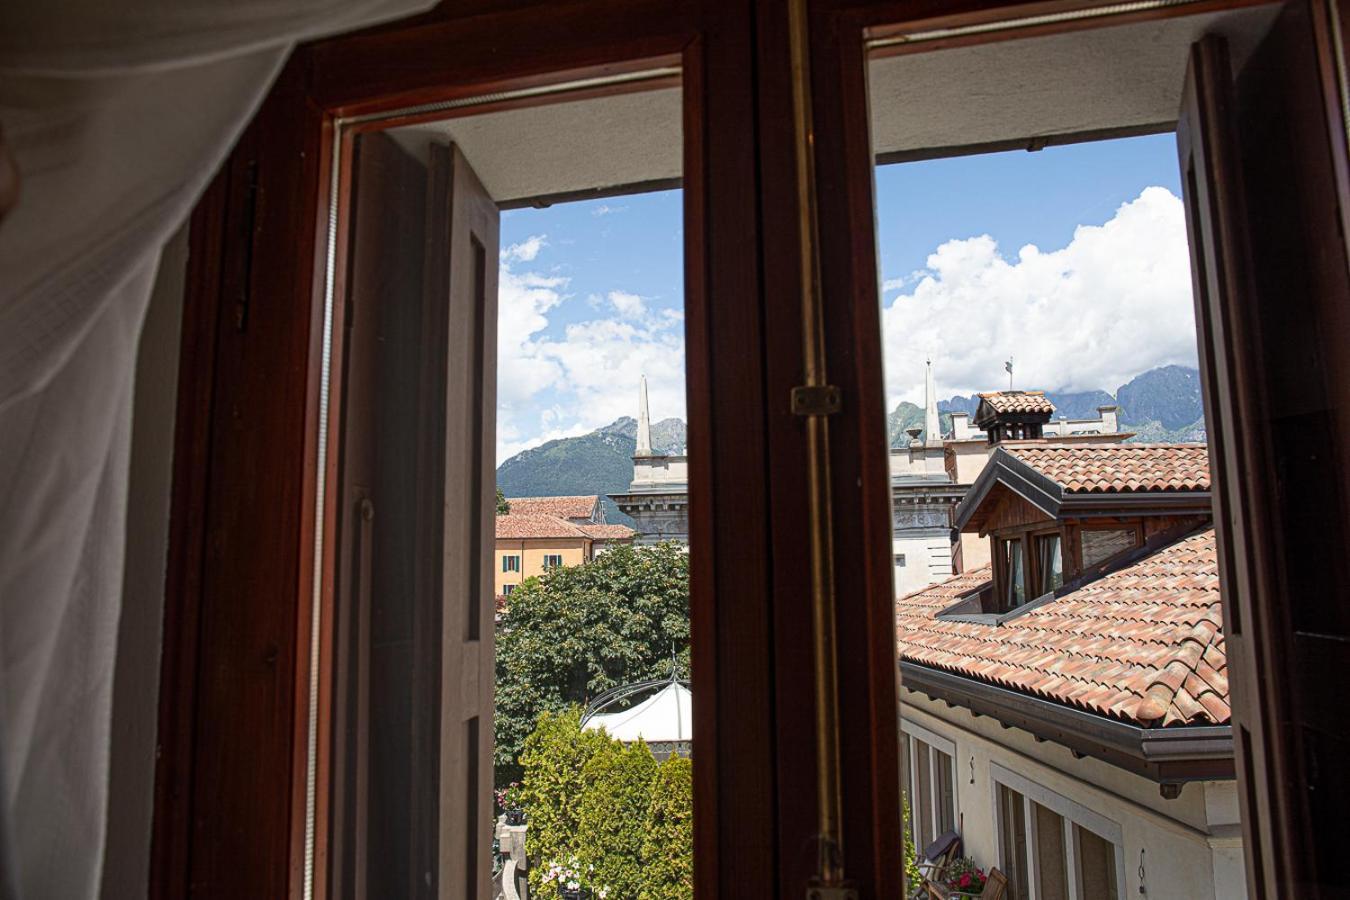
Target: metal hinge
(816,400)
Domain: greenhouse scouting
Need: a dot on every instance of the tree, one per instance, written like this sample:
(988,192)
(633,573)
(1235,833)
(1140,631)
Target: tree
(554,758)
(611,813)
(578,631)
(503,505)
(668,842)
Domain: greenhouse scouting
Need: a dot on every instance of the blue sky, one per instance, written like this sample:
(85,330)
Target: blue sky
(1071,259)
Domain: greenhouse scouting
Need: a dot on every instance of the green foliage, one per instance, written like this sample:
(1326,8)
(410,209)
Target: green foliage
(503,505)
(912,877)
(611,815)
(668,846)
(554,757)
(578,631)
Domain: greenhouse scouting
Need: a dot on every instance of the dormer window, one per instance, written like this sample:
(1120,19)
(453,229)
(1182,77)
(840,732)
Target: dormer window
(1049,563)
(1014,575)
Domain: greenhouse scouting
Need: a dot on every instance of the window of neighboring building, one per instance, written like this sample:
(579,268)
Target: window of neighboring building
(1049,564)
(1062,848)
(1014,575)
(507,589)
(1096,867)
(552,560)
(928,778)
(1012,841)
(510,563)
(899,560)
(1100,544)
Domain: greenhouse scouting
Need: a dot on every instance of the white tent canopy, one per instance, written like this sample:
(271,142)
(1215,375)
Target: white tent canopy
(665,717)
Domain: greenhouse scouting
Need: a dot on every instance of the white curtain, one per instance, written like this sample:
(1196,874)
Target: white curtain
(118,113)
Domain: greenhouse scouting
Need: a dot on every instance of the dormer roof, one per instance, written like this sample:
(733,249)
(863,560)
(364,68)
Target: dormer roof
(1091,479)
(994,403)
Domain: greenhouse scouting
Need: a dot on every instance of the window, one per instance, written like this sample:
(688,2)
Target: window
(1100,544)
(1049,564)
(899,560)
(552,560)
(1012,841)
(507,589)
(1062,848)
(510,563)
(1014,575)
(1096,859)
(928,778)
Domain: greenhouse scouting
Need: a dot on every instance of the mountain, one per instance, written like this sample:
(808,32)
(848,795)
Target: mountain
(1169,395)
(597,463)
(1162,405)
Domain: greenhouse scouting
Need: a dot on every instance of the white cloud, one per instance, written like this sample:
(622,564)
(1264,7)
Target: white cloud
(552,387)
(526,250)
(630,306)
(605,209)
(1113,303)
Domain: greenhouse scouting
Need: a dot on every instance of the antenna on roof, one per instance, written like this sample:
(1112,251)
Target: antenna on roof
(1008,365)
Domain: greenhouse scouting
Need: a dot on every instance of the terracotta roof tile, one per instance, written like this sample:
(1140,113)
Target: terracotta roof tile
(608,532)
(536,526)
(1143,644)
(1018,401)
(1118,468)
(577,507)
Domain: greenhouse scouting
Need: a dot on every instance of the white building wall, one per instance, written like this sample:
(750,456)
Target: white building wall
(928,559)
(1191,845)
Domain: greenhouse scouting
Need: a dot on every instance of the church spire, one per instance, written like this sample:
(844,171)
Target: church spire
(644,426)
(932,430)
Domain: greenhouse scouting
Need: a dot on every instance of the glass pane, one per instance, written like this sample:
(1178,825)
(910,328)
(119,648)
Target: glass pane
(1096,865)
(1052,567)
(1017,588)
(906,781)
(1102,544)
(1012,851)
(946,800)
(1052,877)
(923,805)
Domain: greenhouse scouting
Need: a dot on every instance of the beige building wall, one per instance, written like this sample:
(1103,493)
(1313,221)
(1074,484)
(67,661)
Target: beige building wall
(1192,846)
(531,552)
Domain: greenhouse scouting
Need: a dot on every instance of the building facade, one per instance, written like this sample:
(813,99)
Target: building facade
(543,533)
(1066,708)
(658,496)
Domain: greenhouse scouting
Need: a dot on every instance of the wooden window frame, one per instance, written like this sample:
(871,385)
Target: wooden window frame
(236,660)
(932,744)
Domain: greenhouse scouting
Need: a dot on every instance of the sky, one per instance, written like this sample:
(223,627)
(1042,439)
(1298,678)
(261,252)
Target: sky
(1071,260)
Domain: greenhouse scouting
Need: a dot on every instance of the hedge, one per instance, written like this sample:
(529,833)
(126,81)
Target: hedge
(668,848)
(554,758)
(610,805)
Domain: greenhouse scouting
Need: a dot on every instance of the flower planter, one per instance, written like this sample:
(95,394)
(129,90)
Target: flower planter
(515,817)
(573,894)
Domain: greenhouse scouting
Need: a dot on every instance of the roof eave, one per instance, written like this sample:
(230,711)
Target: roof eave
(1168,756)
(1014,474)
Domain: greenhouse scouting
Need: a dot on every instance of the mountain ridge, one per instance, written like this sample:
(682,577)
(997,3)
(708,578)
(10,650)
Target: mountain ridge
(1162,405)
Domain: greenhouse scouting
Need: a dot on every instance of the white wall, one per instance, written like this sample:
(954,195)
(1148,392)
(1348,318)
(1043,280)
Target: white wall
(135,714)
(928,559)
(1192,849)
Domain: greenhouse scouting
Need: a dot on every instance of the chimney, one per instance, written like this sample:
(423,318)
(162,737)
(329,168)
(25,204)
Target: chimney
(1108,416)
(644,428)
(960,426)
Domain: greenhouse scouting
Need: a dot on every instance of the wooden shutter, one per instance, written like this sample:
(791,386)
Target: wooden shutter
(412,717)
(1273,320)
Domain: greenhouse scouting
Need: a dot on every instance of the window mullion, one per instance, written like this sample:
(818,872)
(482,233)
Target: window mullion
(1032,868)
(1071,859)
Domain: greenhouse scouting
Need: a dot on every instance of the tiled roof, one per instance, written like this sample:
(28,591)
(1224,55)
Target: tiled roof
(609,532)
(580,507)
(1119,468)
(1018,401)
(536,526)
(1143,644)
